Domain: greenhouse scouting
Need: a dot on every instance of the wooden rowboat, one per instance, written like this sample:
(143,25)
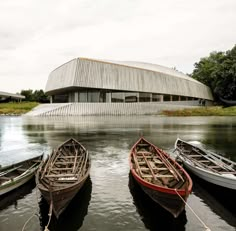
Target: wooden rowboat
(13,176)
(63,174)
(207,165)
(162,178)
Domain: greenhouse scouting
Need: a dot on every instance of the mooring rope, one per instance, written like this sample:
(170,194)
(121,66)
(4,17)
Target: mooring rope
(28,221)
(50,215)
(207,229)
(35,214)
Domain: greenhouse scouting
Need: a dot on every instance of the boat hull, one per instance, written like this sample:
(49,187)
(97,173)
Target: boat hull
(221,180)
(12,185)
(60,199)
(170,202)
(11,178)
(226,178)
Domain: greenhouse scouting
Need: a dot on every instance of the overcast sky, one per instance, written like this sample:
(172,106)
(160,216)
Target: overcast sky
(38,36)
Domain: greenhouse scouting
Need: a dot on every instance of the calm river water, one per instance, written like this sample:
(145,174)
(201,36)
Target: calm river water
(110,199)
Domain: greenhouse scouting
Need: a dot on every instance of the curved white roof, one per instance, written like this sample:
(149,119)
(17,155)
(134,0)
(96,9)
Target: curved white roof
(124,76)
(152,67)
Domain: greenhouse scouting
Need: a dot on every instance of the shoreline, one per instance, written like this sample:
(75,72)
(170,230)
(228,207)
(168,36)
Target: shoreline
(19,109)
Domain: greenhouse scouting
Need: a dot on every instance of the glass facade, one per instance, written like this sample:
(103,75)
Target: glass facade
(96,96)
(144,97)
(83,97)
(61,98)
(175,98)
(93,96)
(131,97)
(156,97)
(166,98)
(117,97)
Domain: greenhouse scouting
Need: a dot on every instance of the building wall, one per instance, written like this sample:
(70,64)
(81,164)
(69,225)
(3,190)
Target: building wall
(82,109)
(88,73)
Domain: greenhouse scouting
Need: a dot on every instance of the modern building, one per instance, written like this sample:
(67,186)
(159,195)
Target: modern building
(6,97)
(85,86)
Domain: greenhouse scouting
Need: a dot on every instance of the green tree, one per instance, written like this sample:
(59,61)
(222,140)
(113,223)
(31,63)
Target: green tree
(36,96)
(218,71)
(28,94)
(40,96)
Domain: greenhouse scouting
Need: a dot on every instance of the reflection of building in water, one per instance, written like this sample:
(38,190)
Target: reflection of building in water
(72,218)
(154,216)
(88,86)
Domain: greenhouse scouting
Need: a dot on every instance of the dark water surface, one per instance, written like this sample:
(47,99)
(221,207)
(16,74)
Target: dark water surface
(110,199)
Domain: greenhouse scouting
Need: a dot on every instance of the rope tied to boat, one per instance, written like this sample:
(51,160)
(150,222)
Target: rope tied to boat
(35,214)
(50,215)
(207,228)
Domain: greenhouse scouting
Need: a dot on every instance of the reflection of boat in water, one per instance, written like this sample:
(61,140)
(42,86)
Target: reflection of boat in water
(153,215)
(214,197)
(73,216)
(12,197)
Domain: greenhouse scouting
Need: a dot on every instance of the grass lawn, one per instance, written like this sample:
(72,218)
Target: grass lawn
(203,111)
(14,108)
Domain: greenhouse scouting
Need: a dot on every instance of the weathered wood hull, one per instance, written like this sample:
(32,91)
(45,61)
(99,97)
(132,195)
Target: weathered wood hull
(170,202)
(61,177)
(60,199)
(171,197)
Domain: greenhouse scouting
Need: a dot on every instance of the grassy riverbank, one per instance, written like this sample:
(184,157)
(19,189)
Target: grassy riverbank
(24,107)
(16,108)
(203,111)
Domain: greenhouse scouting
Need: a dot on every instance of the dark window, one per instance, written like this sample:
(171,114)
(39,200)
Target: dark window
(61,98)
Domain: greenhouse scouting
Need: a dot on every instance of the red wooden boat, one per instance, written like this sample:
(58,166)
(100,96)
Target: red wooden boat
(160,176)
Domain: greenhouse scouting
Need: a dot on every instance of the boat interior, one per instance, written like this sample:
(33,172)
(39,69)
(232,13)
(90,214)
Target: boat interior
(154,167)
(65,166)
(210,161)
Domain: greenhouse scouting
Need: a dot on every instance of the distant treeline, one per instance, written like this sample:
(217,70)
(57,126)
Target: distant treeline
(35,96)
(218,71)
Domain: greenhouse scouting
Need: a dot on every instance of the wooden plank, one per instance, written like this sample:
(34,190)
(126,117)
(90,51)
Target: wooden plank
(215,166)
(143,152)
(59,175)
(66,157)
(157,176)
(164,176)
(64,163)
(204,161)
(76,156)
(83,165)
(169,165)
(193,156)
(61,169)
(148,164)
(157,161)
(137,164)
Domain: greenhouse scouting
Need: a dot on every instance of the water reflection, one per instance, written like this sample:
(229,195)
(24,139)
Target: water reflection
(72,218)
(219,199)
(12,197)
(153,216)
(109,140)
